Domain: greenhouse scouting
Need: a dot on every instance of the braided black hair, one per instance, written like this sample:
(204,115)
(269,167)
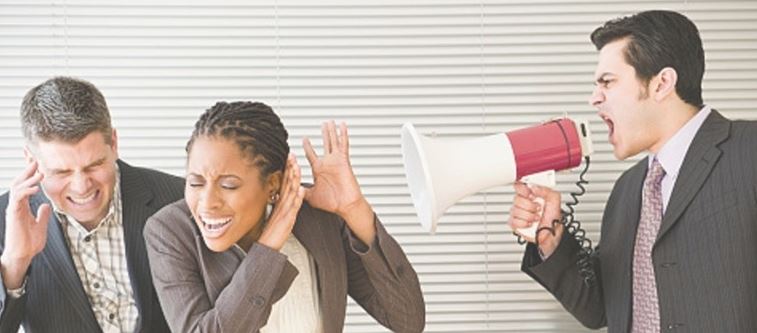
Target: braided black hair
(253,126)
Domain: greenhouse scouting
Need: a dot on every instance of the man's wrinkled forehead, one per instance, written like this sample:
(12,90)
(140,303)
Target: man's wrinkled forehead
(56,156)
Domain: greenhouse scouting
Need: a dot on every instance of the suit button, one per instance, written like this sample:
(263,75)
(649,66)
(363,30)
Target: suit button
(258,301)
(674,326)
(400,270)
(668,264)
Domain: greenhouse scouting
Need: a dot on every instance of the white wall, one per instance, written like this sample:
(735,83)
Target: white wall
(456,68)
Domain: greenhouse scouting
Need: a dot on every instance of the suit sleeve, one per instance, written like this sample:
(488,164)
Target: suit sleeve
(559,274)
(383,282)
(245,303)
(11,310)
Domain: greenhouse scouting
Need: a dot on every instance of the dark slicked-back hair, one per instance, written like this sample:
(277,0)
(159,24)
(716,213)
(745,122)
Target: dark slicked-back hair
(659,39)
(64,109)
(253,126)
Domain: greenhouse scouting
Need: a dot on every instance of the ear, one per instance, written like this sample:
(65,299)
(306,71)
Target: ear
(664,83)
(273,184)
(114,142)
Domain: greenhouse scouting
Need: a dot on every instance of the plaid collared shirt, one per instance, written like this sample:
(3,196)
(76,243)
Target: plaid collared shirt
(99,256)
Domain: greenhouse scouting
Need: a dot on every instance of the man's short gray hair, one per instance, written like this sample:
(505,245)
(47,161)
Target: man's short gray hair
(64,109)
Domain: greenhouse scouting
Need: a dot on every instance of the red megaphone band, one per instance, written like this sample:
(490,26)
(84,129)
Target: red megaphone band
(550,146)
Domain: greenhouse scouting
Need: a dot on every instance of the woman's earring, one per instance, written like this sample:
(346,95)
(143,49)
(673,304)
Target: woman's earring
(271,201)
(273,198)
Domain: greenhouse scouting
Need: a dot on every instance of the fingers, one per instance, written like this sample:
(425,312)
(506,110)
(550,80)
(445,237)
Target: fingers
(537,206)
(520,218)
(526,202)
(43,214)
(291,193)
(291,183)
(26,184)
(550,201)
(333,140)
(309,152)
(285,210)
(29,171)
(546,200)
(29,177)
(31,181)
(344,138)
(284,214)
(24,193)
(294,174)
(525,211)
(545,192)
(326,140)
(523,190)
(291,176)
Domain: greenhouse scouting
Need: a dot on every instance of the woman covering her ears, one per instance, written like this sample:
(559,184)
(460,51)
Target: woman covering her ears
(250,249)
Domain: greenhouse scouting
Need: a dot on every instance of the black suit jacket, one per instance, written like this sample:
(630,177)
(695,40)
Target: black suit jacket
(704,254)
(55,300)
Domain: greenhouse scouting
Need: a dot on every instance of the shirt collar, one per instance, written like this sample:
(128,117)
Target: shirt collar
(672,153)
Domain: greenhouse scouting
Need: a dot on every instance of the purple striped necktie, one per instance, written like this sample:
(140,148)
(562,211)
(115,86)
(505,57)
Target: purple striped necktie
(646,312)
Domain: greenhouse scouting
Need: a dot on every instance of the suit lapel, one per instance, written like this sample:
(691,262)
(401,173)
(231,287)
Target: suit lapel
(135,198)
(701,157)
(57,258)
(218,268)
(632,200)
(310,232)
(627,228)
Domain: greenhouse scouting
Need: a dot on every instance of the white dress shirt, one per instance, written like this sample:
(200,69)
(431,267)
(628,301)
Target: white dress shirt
(672,153)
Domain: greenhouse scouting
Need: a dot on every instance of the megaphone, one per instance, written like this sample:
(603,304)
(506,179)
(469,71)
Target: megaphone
(440,172)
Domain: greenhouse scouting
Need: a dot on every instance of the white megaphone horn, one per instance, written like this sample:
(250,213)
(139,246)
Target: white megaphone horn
(440,172)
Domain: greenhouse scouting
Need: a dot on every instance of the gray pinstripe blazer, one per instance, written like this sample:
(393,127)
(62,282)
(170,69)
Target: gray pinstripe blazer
(55,300)
(206,291)
(704,255)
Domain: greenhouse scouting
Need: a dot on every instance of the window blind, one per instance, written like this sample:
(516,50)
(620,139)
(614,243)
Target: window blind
(453,68)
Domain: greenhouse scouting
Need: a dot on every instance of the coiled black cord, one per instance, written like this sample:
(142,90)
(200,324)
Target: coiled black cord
(573,227)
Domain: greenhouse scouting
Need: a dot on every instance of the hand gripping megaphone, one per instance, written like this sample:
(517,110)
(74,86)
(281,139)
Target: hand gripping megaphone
(440,172)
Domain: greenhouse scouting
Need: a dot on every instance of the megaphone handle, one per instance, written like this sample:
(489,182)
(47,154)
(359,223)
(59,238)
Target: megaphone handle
(547,179)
